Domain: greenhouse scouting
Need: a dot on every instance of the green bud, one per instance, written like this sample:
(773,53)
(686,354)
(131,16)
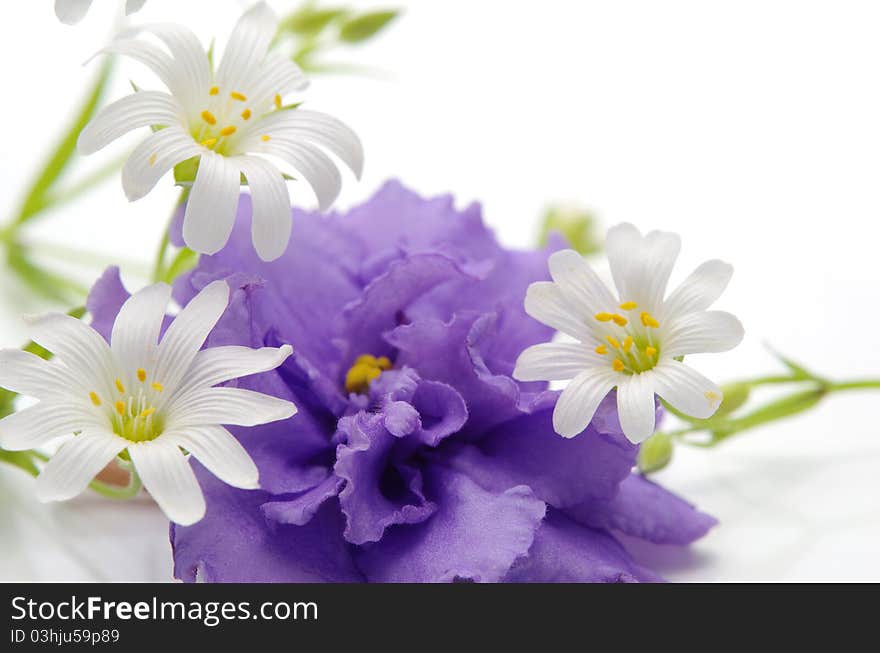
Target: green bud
(655,453)
(576,224)
(735,395)
(365,26)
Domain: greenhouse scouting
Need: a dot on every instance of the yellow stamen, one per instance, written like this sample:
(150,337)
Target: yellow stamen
(601,350)
(152,159)
(120,408)
(649,321)
(235,95)
(95,398)
(228,131)
(208,117)
(650,352)
(214,90)
(712,397)
(120,387)
(246,114)
(265,138)
(627,344)
(613,341)
(142,375)
(604,317)
(617,365)
(365,359)
(619,320)
(149,411)
(277,101)
(158,387)
(209,142)
(383,363)
(628,306)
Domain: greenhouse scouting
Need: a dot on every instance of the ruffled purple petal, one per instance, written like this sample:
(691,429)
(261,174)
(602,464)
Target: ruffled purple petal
(475,534)
(300,509)
(644,509)
(104,301)
(566,552)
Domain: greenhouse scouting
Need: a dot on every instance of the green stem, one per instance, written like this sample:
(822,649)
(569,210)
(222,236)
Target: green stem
(165,243)
(118,493)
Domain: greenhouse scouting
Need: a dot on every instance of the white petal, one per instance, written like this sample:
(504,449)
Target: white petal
(78,346)
(278,75)
(641,265)
(30,375)
(315,166)
(135,337)
(36,425)
(168,477)
(186,335)
(312,127)
(579,283)
(700,290)
(219,364)
(219,451)
(131,6)
(192,73)
(636,408)
(226,406)
(247,46)
(545,302)
(152,56)
(155,156)
(271,222)
(686,390)
(141,109)
(699,333)
(553,361)
(578,402)
(212,203)
(71,12)
(76,463)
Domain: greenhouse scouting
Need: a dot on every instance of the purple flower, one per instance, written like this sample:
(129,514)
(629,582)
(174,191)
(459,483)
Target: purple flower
(415,455)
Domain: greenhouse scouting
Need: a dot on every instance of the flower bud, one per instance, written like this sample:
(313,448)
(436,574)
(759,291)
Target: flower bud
(735,395)
(655,453)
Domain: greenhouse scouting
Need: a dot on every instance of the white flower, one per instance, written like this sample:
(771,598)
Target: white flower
(633,339)
(73,11)
(146,401)
(225,118)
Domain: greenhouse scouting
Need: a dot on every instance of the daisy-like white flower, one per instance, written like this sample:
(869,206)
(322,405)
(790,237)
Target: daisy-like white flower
(73,11)
(148,402)
(633,340)
(229,120)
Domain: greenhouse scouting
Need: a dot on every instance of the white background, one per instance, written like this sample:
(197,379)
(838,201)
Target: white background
(750,127)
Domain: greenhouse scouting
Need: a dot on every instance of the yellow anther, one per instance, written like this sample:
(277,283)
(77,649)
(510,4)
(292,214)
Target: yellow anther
(277,101)
(628,306)
(619,320)
(120,387)
(713,396)
(627,344)
(613,341)
(265,138)
(618,365)
(152,159)
(95,398)
(604,317)
(208,117)
(158,387)
(120,408)
(365,359)
(383,363)
(142,375)
(235,95)
(209,142)
(649,321)
(601,350)
(246,114)
(149,411)
(358,377)
(214,90)
(228,131)
(650,352)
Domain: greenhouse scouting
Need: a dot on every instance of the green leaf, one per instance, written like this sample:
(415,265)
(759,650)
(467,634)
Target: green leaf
(185,261)
(20,459)
(365,26)
(36,199)
(799,371)
(310,21)
(40,280)
(794,404)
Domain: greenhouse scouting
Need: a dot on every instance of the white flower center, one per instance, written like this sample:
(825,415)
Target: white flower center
(225,114)
(631,339)
(132,411)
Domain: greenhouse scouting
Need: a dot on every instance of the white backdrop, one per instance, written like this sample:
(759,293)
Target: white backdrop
(749,127)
